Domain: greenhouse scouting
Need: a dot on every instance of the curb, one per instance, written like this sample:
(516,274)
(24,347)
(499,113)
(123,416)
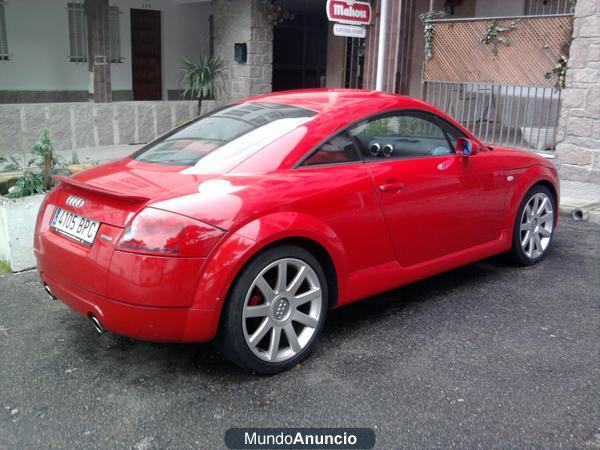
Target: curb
(587,212)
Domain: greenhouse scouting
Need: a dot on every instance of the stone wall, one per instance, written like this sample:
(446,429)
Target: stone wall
(84,125)
(579,128)
(243,21)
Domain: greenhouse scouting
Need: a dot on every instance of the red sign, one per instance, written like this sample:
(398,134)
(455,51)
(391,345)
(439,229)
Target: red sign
(349,11)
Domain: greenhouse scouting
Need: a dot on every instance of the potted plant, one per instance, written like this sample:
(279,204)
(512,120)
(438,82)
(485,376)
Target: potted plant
(202,79)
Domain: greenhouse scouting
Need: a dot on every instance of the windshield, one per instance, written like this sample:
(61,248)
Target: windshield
(228,132)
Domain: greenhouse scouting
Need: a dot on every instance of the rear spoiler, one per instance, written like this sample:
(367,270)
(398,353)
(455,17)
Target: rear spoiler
(101,190)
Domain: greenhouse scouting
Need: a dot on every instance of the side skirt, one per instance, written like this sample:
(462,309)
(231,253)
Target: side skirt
(375,280)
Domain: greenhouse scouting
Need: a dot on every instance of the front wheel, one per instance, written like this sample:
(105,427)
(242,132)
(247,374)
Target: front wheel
(534,226)
(275,311)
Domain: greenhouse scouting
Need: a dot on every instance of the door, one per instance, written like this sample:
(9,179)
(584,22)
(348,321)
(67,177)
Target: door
(146,54)
(435,203)
(300,49)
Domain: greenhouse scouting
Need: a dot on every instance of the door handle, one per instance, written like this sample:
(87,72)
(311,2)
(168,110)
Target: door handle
(392,186)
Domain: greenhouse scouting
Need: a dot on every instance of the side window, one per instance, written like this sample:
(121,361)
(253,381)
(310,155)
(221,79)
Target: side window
(453,134)
(338,149)
(404,135)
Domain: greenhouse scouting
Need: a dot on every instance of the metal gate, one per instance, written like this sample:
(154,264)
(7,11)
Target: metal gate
(498,89)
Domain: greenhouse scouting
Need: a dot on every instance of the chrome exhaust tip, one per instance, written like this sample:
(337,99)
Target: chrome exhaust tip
(49,292)
(96,323)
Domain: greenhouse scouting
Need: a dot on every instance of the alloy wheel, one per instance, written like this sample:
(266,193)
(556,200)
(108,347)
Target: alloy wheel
(537,223)
(282,310)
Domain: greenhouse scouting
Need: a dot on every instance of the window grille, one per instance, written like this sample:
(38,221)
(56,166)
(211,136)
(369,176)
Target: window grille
(115,34)
(78,47)
(548,7)
(3,41)
(78,38)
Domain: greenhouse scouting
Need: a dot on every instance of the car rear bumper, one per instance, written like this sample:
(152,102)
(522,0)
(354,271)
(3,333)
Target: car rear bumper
(154,324)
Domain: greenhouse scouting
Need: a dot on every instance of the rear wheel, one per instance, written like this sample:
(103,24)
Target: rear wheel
(275,311)
(534,226)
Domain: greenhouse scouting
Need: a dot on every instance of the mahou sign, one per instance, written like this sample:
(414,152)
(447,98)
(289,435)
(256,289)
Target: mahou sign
(349,11)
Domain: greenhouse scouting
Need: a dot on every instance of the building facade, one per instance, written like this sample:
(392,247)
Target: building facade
(106,72)
(46,58)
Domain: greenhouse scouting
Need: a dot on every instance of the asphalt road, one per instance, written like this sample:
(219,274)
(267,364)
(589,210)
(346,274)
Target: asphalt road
(485,356)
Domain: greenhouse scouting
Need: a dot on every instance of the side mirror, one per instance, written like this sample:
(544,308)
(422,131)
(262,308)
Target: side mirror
(465,147)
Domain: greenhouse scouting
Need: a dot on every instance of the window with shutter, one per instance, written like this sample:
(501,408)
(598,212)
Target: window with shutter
(115,34)
(78,40)
(3,41)
(78,49)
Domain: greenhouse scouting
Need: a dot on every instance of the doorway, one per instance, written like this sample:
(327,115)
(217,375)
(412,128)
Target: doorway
(146,69)
(300,47)
(355,62)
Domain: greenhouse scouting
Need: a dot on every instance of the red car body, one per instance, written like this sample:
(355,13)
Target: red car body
(374,225)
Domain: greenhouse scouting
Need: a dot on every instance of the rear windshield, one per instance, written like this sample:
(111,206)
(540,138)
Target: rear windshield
(233,129)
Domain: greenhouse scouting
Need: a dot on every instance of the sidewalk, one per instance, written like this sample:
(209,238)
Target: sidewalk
(99,154)
(580,200)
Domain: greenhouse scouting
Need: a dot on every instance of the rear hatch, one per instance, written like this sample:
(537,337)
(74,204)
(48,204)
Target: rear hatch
(119,189)
(108,196)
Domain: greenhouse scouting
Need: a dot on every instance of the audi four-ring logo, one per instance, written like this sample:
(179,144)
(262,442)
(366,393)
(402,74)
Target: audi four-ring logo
(75,202)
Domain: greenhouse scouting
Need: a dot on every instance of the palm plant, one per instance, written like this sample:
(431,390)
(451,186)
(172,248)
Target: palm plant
(202,79)
(31,181)
(36,177)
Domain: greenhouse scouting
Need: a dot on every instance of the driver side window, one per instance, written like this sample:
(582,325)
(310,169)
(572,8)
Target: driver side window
(399,136)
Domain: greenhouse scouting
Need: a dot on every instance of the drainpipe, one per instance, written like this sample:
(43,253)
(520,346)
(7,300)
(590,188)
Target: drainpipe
(382,42)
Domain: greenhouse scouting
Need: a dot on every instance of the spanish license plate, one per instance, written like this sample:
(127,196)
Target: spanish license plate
(74,226)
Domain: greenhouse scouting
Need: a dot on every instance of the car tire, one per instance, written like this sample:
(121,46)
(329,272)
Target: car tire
(275,310)
(534,226)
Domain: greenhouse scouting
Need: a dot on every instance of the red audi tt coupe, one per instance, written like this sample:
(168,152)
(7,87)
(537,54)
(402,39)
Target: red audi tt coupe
(251,222)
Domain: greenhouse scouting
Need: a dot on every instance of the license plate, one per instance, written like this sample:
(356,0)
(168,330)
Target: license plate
(74,226)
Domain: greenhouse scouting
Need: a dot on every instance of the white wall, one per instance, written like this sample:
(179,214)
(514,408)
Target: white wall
(38,43)
(37,33)
(185,33)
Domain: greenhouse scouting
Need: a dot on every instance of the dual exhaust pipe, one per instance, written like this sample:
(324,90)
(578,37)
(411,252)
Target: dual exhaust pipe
(91,316)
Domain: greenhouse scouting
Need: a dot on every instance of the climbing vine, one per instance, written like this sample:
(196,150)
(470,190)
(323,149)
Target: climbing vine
(429,29)
(494,34)
(559,71)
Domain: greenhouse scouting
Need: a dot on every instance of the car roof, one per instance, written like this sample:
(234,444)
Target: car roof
(323,101)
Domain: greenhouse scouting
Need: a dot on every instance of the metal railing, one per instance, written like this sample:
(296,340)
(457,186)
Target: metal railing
(499,114)
(548,7)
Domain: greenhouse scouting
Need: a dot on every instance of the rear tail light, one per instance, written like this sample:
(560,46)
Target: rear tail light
(163,233)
